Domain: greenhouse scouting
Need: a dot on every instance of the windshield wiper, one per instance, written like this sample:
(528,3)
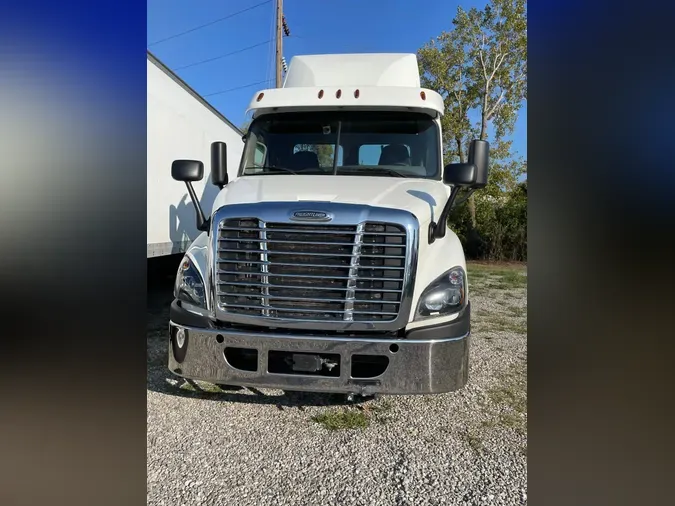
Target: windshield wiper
(392,172)
(369,172)
(267,167)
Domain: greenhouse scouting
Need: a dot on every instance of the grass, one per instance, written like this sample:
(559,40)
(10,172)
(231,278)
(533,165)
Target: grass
(496,267)
(497,322)
(209,387)
(486,277)
(200,386)
(500,323)
(359,418)
(186,385)
(505,407)
(340,419)
(517,311)
(511,390)
(381,407)
(509,397)
(514,279)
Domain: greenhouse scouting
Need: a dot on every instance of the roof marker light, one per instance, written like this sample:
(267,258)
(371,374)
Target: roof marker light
(423,95)
(260,97)
(356,93)
(320,93)
(338,93)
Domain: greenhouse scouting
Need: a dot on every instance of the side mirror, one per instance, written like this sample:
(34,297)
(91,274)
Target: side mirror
(460,174)
(479,154)
(187,170)
(219,164)
(472,175)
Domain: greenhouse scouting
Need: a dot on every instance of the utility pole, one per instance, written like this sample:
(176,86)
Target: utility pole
(279,39)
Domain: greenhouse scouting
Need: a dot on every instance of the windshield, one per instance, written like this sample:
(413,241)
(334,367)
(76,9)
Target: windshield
(390,144)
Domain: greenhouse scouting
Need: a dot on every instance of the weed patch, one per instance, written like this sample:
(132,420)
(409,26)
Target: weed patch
(513,279)
(188,386)
(474,441)
(507,407)
(517,311)
(500,323)
(383,406)
(510,396)
(341,419)
(209,387)
(486,276)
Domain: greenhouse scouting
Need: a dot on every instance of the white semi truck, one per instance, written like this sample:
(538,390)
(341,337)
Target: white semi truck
(328,264)
(180,124)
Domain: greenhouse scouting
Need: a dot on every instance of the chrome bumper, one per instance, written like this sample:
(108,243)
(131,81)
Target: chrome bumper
(415,366)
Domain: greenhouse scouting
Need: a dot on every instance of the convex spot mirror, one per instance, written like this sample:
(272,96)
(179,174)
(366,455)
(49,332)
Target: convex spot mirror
(187,170)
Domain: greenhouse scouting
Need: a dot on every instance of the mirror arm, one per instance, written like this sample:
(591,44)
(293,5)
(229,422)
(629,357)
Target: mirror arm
(437,229)
(202,223)
(465,197)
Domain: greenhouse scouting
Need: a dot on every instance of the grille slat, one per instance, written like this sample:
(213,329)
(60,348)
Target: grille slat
(304,288)
(305,299)
(313,243)
(311,272)
(305,231)
(281,264)
(302,276)
(308,253)
(304,310)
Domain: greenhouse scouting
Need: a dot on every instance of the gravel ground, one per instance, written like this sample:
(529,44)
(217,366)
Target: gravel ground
(248,447)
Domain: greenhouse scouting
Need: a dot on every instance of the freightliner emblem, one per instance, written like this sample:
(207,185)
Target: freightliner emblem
(311,216)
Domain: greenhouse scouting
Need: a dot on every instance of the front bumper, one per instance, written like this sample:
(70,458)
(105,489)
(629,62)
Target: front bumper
(428,360)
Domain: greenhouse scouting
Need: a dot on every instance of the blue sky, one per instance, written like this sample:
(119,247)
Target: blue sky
(317,26)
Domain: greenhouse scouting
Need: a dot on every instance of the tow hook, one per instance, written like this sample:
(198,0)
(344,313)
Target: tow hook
(304,362)
(330,364)
(352,396)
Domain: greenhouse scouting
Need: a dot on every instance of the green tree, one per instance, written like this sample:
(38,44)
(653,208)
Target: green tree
(480,67)
(323,151)
(500,229)
(443,67)
(495,40)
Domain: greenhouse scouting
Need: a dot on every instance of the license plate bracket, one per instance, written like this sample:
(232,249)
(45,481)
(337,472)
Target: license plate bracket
(304,362)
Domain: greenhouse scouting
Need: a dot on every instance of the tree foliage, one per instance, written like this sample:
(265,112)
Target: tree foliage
(480,69)
(324,152)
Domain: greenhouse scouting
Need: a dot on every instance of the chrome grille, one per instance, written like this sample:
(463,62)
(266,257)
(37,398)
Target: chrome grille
(316,272)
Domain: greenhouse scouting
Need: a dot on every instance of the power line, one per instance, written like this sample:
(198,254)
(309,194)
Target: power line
(222,55)
(210,23)
(237,88)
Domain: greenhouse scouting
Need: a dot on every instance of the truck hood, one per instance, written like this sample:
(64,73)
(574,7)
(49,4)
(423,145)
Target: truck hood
(422,197)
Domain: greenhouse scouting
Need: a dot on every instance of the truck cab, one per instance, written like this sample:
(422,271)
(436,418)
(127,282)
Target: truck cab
(327,264)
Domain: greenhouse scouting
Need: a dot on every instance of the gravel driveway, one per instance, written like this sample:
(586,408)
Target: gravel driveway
(248,447)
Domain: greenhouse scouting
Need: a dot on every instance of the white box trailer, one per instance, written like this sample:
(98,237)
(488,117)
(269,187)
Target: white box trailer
(181,124)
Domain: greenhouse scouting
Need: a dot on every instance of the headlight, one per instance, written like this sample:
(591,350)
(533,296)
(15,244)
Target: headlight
(446,295)
(189,285)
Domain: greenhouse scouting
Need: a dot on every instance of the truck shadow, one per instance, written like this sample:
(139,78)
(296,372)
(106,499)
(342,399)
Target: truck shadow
(159,379)
(426,197)
(183,217)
